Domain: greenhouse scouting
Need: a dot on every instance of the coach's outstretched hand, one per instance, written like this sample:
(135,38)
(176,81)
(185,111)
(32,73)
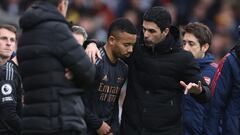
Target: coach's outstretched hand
(192,87)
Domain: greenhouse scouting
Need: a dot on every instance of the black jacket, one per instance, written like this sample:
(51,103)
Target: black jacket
(46,49)
(10,99)
(153,100)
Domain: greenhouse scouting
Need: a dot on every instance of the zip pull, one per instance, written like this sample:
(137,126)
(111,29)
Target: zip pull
(153,47)
(171,102)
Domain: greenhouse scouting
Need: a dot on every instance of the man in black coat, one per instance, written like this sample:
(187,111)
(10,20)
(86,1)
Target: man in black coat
(159,70)
(53,104)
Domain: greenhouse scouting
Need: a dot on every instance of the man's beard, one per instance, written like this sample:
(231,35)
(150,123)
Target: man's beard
(148,43)
(125,55)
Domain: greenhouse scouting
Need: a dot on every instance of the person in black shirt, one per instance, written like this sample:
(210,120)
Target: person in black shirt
(10,83)
(102,99)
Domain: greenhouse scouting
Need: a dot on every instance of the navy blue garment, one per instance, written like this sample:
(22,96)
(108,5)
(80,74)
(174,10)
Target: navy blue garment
(225,103)
(101,100)
(194,112)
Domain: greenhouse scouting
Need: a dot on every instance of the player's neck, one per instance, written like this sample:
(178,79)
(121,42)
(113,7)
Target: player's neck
(110,54)
(3,61)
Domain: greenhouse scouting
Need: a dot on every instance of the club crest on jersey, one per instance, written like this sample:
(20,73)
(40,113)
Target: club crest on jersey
(207,80)
(120,79)
(6,89)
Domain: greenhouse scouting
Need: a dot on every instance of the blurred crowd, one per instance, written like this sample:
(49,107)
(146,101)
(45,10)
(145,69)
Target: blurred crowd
(221,16)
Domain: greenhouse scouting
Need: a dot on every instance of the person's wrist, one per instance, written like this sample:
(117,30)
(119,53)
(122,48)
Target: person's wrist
(88,42)
(99,125)
(92,44)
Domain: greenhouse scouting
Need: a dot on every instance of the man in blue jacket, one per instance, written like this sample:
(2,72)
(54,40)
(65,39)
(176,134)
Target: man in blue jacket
(226,96)
(197,39)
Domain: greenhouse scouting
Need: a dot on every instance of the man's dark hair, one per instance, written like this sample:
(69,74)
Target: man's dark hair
(200,31)
(158,15)
(121,25)
(53,2)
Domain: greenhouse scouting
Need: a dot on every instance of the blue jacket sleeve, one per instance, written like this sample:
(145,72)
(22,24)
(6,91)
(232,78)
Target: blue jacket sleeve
(192,74)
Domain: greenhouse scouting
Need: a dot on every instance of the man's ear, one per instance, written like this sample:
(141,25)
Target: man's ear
(205,47)
(62,6)
(165,31)
(111,40)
